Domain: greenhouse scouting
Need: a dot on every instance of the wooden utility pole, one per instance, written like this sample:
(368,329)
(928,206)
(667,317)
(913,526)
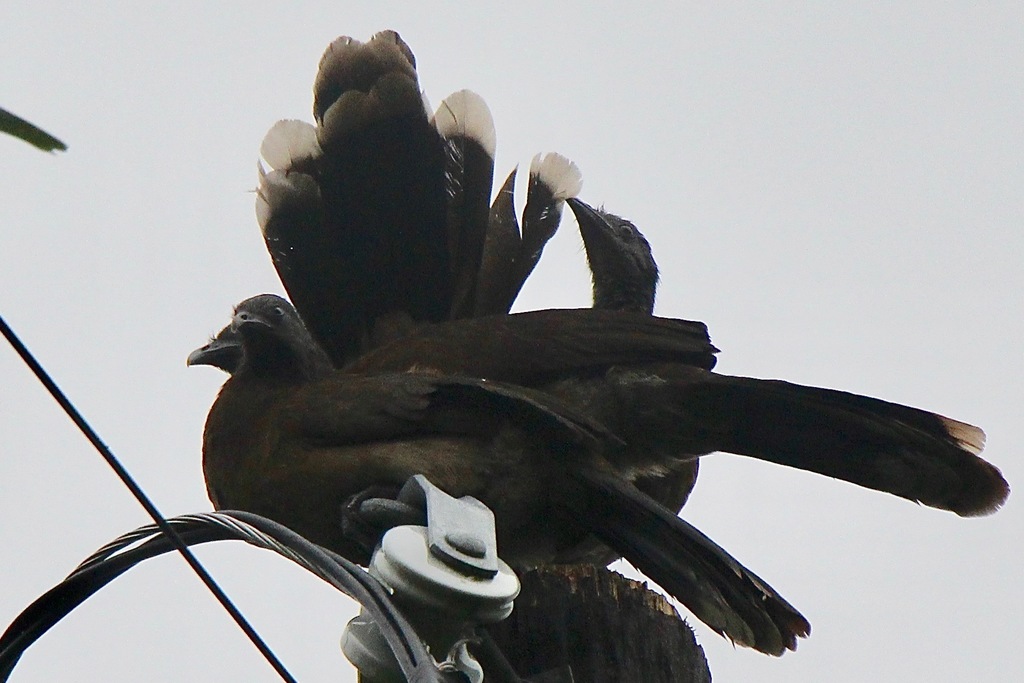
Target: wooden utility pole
(608,628)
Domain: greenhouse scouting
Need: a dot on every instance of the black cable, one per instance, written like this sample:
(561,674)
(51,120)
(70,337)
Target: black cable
(140,496)
(121,554)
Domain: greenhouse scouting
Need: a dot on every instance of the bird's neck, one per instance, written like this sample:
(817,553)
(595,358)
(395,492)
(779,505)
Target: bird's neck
(624,298)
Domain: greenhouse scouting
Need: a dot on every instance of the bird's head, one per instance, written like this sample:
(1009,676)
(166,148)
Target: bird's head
(622,265)
(266,338)
(274,340)
(265,314)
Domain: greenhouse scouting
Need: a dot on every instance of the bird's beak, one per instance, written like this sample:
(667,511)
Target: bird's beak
(583,211)
(594,227)
(218,353)
(591,222)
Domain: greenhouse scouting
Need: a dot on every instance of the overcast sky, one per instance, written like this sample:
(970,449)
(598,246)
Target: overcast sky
(837,192)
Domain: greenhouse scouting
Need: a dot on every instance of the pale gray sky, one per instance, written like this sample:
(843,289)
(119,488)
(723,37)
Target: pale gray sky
(836,191)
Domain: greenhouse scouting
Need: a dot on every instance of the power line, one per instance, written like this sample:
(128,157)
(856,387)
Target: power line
(143,499)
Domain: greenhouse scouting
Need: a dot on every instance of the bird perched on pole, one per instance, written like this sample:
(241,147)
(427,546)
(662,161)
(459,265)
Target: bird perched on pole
(293,440)
(548,416)
(625,278)
(290,442)
(647,378)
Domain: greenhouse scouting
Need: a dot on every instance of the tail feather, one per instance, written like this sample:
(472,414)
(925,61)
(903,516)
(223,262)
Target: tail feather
(464,122)
(288,143)
(712,584)
(885,446)
(464,114)
(905,451)
(553,179)
(510,256)
(382,66)
(501,247)
(373,248)
(289,208)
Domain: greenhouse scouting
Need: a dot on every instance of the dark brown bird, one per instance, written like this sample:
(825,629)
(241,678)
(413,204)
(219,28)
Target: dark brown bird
(625,278)
(671,410)
(650,378)
(288,441)
(647,380)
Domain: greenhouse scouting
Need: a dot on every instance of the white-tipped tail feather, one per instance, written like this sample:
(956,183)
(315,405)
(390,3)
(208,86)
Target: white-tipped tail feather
(970,438)
(558,173)
(336,49)
(465,113)
(288,141)
(385,46)
(278,189)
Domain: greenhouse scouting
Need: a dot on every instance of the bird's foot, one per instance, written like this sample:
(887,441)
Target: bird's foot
(367,515)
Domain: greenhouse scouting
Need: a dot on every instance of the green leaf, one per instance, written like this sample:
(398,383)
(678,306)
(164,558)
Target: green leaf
(22,129)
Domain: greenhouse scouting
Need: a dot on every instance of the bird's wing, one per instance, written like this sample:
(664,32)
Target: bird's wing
(528,348)
(349,409)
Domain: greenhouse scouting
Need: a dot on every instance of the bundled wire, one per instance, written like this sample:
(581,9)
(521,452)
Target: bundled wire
(179,533)
(120,555)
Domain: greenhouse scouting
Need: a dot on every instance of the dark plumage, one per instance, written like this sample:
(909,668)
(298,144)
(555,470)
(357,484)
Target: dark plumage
(669,411)
(294,444)
(224,351)
(625,278)
(562,421)
(335,433)
(510,255)
(622,265)
(377,217)
(646,379)
(464,123)
(373,159)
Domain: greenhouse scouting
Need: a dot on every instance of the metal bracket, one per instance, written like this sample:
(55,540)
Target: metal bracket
(460,531)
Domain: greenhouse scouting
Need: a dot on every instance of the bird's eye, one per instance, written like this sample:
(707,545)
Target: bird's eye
(278,312)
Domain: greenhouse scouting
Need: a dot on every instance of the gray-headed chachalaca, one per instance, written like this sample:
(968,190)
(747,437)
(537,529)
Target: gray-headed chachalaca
(549,417)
